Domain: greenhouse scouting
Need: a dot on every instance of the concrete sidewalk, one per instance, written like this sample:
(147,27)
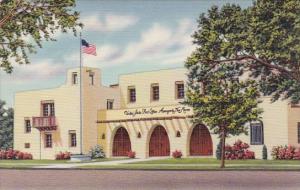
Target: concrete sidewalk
(104,163)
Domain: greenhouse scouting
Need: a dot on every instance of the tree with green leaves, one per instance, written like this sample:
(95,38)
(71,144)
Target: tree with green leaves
(260,43)
(6,126)
(34,19)
(222,99)
(264,38)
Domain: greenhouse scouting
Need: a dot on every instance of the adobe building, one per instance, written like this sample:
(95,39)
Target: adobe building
(48,121)
(153,122)
(142,113)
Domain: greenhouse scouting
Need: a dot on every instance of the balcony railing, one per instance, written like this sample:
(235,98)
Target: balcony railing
(44,123)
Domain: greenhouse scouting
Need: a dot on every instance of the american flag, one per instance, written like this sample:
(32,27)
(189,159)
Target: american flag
(88,48)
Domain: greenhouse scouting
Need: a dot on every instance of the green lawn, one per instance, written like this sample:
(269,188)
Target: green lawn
(168,164)
(108,159)
(204,164)
(28,163)
(215,161)
(18,166)
(33,161)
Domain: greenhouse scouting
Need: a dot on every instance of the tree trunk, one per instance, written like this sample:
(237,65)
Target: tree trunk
(223,137)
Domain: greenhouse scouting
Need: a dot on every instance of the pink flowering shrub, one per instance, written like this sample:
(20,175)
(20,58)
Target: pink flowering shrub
(238,151)
(27,156)
(297,155)
(131,154)
(285,153)
(11,154)
(177,154)
(63,156)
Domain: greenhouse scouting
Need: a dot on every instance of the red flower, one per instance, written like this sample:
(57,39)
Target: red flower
(177,154)
(238,151)
(131,154)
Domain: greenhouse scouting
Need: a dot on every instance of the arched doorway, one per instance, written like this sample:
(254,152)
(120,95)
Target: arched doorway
(121,143)
(200,142)
(159,144)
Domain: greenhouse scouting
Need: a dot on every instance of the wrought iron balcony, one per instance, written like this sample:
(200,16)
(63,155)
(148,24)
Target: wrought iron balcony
(47,123)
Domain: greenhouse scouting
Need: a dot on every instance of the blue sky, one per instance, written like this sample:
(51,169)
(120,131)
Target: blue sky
(130,36)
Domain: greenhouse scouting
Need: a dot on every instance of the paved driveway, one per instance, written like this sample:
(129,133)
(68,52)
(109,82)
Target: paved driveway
(106,179)
(105,163)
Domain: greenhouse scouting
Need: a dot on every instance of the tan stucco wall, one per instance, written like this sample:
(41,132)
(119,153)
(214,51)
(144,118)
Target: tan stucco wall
(275,116)
(95,98)
(275,124)
(294,118)
(140,145)
(274,119)
(67,113)
(27,104)
(142,82)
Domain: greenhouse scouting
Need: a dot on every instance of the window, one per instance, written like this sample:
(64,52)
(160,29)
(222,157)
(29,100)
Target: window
(257,133)
(27,145)
(73,142)
(298,132)
(74,78)
(154,92)
(179,90)
(48,140)
(132,94)
(91,76)
(109,104)
(27,126)
(48,109)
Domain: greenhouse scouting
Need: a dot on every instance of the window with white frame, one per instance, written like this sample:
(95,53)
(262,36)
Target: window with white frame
(154,92)
(256,133)
(26,145)
(91,77)
(131,94)
(48,140)
(110,104)
(48,109)
(179,85)
(72,137)
(27,126)
(74,78)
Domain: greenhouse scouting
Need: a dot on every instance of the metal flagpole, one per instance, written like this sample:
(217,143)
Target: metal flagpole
(80,86)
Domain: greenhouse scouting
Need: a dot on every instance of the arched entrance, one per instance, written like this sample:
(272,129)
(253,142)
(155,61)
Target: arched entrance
(121,143)
(200,142)
(159,144)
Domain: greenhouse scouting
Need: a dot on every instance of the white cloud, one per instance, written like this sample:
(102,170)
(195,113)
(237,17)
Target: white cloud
(105,54)
(158,44)
(108,23)
(43,70)
(161,43)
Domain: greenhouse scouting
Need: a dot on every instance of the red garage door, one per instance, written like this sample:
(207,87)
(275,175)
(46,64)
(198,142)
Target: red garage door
(200,143)
(121,144)
(159,144)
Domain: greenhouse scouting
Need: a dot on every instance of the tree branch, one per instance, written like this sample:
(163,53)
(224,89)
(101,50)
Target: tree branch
(250,57)
(9,15)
